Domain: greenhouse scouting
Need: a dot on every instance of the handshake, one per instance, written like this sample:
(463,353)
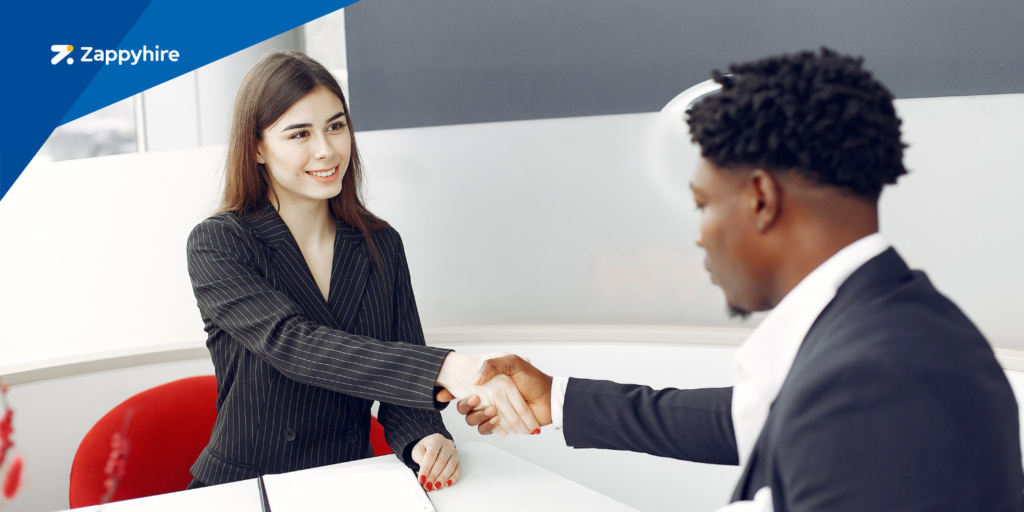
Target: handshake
(498,393)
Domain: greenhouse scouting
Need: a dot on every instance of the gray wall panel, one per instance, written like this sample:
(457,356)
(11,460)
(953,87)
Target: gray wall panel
(422,63)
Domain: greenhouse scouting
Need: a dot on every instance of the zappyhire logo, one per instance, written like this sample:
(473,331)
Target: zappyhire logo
(90,54)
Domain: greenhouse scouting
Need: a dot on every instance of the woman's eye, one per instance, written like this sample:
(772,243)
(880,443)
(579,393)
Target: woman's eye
(299,134)
(336,126)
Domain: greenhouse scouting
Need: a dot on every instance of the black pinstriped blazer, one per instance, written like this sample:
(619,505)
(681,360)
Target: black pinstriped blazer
(296,375)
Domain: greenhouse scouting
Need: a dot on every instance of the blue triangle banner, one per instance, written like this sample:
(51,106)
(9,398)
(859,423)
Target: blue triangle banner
(64,60)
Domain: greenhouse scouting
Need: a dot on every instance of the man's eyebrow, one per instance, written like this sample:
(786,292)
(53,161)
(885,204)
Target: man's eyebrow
(308,125)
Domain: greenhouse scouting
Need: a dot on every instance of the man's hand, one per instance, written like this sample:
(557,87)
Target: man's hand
(533,385)
(460,376)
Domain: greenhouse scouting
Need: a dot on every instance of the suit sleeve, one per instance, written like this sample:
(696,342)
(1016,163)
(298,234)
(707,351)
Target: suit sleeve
(405,426)
(233,294)
(692,424)
(888,445)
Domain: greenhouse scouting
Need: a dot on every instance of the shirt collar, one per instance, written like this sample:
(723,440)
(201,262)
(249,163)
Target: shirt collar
(762,362)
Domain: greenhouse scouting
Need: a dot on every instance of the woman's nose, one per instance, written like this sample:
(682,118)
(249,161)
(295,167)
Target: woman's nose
(322,150)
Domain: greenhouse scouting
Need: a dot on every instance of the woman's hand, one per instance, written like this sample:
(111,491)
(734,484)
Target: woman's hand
(438,460)
(459,376)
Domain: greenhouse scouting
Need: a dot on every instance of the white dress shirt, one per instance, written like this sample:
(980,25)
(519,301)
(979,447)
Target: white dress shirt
(762,362)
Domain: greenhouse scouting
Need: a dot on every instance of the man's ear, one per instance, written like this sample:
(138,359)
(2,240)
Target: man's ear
(766,199)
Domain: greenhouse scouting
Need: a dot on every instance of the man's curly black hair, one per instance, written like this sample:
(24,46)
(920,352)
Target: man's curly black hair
(822,115)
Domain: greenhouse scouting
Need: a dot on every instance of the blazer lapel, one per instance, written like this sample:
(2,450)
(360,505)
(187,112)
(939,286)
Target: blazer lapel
(880,272)
(288,262)
(348,277)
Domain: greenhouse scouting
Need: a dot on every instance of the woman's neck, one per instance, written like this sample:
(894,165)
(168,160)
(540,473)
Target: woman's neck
(309,220)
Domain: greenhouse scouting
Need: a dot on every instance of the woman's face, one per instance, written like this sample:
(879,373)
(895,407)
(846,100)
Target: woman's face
(306,151)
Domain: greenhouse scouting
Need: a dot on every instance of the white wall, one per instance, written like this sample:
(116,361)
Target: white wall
(194,109)
(581,220)
(958,214)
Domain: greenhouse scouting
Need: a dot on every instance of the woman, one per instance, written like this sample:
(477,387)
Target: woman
(307,302)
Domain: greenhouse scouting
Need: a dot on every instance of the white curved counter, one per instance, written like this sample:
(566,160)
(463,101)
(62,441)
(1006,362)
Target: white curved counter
(59,400)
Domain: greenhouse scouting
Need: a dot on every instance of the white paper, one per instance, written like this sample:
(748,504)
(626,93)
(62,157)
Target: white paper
(388,487)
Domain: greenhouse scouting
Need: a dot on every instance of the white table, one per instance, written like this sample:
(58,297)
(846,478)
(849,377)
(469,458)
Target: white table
(492,480)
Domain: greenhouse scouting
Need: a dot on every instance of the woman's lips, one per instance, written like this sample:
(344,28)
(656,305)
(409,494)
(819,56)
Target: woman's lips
(325,176)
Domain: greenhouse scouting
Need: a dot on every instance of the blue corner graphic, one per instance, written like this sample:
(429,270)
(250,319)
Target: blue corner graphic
(115,50)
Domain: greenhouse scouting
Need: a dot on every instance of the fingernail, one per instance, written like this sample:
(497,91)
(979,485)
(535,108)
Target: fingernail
(449,483)
(423,479)
(437,485)
(535,432)
(429,487)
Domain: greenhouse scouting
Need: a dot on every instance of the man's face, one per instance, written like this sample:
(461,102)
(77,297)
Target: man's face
(728,235)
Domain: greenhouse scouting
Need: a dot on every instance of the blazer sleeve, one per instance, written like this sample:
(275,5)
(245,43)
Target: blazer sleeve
(691,424)
(872,438)
(234,295)
(405,426)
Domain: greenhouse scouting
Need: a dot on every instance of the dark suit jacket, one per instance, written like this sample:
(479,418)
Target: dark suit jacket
(296,375)
(894,402)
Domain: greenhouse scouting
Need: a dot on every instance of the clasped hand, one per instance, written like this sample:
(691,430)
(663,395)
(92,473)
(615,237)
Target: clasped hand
(503,377)
(461,376)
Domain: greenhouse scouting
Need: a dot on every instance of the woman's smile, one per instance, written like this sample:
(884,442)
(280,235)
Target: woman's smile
(324,175)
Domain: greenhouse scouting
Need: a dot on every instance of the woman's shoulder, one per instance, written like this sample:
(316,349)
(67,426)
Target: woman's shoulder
(220,227)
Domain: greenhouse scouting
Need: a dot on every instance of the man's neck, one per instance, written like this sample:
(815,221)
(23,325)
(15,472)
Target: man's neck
(811,247)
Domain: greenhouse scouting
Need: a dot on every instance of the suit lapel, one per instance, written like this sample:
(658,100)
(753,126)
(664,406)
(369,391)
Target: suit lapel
(290,265)
(348,277)
(882,271)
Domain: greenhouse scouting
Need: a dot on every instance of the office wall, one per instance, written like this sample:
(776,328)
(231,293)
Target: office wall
(576,220)
(194,109)
(417,63)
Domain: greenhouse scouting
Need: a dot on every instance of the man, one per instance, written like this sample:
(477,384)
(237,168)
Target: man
(864,388)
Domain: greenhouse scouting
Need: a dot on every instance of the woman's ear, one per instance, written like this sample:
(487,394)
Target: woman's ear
(259,156)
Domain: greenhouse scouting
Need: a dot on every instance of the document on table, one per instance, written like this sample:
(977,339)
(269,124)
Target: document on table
(384,487)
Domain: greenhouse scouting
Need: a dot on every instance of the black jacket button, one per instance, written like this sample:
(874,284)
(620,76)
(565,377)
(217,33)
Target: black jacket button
(352,436)
(289,434)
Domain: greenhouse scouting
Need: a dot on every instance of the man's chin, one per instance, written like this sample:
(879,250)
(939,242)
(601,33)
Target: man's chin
(735,312)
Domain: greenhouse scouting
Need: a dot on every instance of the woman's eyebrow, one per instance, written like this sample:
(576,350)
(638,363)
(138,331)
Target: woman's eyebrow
(308,125)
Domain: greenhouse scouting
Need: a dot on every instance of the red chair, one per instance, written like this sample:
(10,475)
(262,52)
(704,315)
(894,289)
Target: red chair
(170,426)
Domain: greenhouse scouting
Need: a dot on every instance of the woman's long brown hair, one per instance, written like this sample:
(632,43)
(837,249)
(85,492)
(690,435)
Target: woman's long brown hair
(271,87)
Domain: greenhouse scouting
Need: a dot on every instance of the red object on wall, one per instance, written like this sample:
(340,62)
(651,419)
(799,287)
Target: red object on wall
(170,426)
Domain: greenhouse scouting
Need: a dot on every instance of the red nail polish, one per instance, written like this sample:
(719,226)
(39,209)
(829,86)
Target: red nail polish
(437,485)
(423,479)
(429,487)
(535,432)
(449,483)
